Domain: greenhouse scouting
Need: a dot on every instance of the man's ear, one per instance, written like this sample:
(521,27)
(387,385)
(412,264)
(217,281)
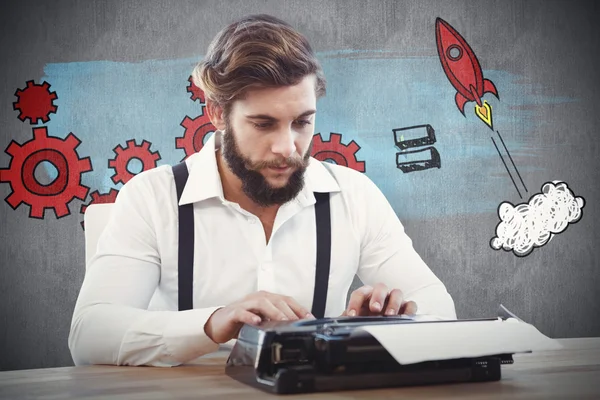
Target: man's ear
(215,114)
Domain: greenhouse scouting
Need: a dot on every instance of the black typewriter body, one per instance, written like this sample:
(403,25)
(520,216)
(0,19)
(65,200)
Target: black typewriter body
(331,354)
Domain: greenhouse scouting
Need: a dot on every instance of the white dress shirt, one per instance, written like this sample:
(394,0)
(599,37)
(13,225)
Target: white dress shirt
(127,310)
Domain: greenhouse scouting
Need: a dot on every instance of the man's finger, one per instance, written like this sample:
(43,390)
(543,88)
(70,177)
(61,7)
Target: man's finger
(246,317)
(300,311)
(357,299)
(409,308)
(378,298)
(286,309)
(394,302)
(267,309)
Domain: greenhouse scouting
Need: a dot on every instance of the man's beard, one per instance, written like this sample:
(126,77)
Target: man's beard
(254,184)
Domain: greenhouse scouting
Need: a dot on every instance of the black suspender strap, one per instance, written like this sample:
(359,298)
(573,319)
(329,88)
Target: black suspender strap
(186,241)
(323,220)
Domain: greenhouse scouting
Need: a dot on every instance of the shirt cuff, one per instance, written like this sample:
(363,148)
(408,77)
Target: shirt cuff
(434,300)
(184,334)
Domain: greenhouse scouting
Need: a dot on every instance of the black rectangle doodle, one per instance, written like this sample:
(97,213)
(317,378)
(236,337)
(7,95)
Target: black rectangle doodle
(418,160)
(414,136)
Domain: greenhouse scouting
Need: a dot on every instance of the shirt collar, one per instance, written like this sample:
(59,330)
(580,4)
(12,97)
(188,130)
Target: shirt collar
(204,181)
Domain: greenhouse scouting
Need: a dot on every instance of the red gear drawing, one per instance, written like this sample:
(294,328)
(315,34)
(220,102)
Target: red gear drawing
(35,102)
(197,93)
(20,173)
(131,151)
(196,130)
(103,198)
(333,149)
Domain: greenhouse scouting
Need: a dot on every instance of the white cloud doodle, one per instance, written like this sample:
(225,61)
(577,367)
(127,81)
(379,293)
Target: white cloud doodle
(529,225)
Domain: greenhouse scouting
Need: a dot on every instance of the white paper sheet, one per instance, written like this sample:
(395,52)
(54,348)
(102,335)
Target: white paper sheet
(423,341)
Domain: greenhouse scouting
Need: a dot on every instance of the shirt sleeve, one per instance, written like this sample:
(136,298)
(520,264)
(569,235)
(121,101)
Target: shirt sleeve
(111,322)
(388,256)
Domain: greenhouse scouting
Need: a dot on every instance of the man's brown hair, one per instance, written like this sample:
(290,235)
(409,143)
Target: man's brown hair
(257,51)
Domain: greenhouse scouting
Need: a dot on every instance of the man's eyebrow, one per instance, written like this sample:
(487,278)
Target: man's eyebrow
(270,118)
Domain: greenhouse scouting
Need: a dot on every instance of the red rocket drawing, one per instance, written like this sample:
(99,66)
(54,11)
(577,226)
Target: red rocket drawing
(464,71)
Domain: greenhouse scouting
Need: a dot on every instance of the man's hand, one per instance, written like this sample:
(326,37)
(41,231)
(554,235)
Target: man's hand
(378,300)
(225,323)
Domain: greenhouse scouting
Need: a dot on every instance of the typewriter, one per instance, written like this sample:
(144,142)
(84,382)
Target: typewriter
(331,354)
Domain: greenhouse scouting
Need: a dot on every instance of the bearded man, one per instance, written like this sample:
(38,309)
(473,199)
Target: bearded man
(250,228)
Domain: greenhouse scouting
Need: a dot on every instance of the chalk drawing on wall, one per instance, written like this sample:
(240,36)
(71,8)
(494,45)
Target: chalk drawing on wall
(123,169)
(421,158)
(463,70)
(101,198)
(124,156)
(512,163)
(35,102)
(66,185)
(526,226)
(197,94)
(196,132)
(333,150)
(418,160)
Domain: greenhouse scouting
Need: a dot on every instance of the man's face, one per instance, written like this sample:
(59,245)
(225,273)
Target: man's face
(267,141)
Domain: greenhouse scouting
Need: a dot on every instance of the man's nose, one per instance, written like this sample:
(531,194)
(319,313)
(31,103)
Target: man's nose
(284,143)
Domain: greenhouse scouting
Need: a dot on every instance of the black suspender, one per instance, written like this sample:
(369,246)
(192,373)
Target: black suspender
(323,220)
(186,247)
(186,241)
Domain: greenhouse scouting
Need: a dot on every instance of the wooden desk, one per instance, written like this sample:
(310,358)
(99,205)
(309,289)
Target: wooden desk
(570,373)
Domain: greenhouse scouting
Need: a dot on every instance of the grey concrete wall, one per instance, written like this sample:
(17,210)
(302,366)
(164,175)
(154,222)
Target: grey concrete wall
(542,56)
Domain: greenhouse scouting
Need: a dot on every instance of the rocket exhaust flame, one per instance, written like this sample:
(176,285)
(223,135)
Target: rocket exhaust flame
(484,113)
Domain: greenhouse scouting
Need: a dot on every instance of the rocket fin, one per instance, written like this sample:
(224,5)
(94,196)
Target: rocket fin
(460,102)
(489,87)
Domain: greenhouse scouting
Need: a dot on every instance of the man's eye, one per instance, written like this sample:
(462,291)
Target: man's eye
(302,123)
(261,126)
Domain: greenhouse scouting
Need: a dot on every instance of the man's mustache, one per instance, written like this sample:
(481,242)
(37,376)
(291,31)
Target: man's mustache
(293,162)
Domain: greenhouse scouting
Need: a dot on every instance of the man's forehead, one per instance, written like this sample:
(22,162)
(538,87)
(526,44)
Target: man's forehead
(293,101)
(275,115)
(275,108)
